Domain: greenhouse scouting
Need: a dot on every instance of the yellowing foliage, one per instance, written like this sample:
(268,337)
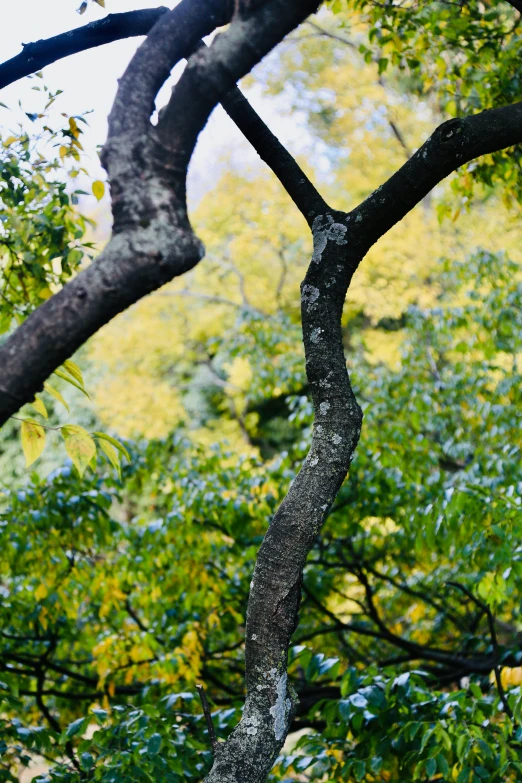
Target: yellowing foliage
(258,247)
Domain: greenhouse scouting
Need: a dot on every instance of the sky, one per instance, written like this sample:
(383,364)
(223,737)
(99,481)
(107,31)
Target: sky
(89,81)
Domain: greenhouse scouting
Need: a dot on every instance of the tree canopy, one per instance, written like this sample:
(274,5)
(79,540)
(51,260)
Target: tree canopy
(209,427)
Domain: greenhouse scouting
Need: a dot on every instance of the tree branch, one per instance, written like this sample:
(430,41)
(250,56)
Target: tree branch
(208,719)
(300,189)
(452,144)
(113,27)
(152,240)
(494,643)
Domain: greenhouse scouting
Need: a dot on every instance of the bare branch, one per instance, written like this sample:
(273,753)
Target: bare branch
(215,299)
(452,144)
(152,240)
(208,718)
(113,27)
(300,189)
(334,36)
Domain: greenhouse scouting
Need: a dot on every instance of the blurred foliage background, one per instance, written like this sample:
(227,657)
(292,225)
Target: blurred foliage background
(123,589)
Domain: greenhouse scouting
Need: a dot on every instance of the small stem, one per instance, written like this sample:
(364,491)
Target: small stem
(208,717)
(45,426)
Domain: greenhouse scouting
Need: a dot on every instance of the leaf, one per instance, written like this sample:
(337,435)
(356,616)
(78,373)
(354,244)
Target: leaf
(87,761)
(98,189)
(63,151)
(10,140)
(39,406)
(111,454)
(82,8)
(100,2)
(154,744)
(41,592)
(115,443)
(75,727)
(66,377)
(79,446)
(73,369)
(33,440)
(56,394)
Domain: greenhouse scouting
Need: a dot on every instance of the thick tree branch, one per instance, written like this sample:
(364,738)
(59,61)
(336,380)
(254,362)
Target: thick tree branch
(453,144)
(136,23)
(276,586)
(152,241)
(171,39)
(113,27)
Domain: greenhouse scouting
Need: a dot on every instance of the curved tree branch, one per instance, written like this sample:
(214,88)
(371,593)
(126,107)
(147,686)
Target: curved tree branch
(152,240)
(113,27)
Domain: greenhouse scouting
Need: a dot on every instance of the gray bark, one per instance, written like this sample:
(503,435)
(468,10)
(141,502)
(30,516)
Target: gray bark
(153,242)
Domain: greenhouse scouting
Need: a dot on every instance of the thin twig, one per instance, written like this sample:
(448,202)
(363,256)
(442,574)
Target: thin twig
(208,718)
(494,641)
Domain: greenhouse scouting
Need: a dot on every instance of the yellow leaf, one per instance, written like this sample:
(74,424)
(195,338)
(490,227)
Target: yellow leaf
(73,369)
(111,454)
(66,377)
(63,151)
(56,394)
(45,293)
(98,188)
(100,2)
(39,406)
(9,141)
(79,446)
(33,440)
(41,592)
(73,126)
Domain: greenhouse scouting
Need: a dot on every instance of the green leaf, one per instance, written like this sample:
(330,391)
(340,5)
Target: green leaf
(79,446)
(75,727)
(56,394)
(33,440)
(87,761)
(154,744)
(98,189)
(115,443)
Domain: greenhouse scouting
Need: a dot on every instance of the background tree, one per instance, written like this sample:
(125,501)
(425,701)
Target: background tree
(374,563)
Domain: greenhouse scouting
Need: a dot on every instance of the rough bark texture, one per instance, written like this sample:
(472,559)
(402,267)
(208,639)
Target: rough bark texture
(340,243)
(275,591)
(152,238)
(153,242)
